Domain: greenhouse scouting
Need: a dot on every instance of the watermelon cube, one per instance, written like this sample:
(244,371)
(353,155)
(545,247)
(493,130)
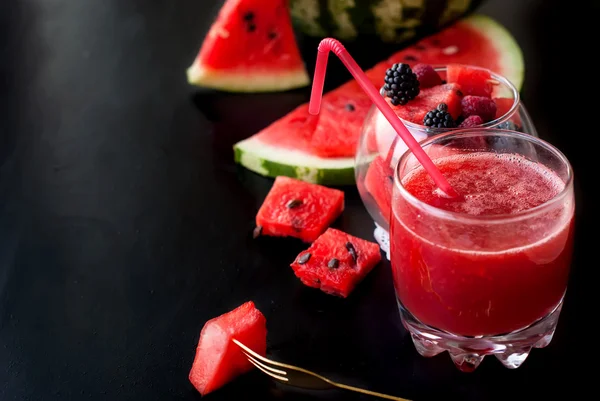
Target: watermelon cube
(295,208)
(218,360)
(336,262)
(378,182)
(473,81)
(428,99)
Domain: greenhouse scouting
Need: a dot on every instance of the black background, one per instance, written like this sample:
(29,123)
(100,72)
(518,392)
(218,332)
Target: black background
(125,224)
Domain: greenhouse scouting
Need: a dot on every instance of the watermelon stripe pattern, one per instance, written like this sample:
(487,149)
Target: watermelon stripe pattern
(393,21)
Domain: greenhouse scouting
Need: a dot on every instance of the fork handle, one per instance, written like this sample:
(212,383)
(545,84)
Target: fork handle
(368,392)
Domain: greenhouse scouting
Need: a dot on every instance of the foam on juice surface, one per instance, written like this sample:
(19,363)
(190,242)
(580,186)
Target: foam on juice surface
(490,183)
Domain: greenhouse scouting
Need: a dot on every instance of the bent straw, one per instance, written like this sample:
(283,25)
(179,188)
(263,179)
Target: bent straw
(329,44)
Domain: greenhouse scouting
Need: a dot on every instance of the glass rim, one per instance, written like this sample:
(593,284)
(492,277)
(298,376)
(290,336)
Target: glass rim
(478,219)
(503,118)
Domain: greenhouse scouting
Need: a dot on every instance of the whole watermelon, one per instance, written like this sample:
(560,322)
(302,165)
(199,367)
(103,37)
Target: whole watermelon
(391,21)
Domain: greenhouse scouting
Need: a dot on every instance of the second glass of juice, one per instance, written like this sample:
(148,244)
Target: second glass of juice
(484,274)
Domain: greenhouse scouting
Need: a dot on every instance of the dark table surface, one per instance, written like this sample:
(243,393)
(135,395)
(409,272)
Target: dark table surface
(125,224)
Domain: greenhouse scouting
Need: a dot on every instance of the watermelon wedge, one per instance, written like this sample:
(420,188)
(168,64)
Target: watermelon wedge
(250,48)
(284,148)
(218,360)
(325,153)
(476,40)
(295,208)
(336,262)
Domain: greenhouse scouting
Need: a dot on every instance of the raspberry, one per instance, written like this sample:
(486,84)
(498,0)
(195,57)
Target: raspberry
(426,75)
(401,84)
(483,107)
(471,121)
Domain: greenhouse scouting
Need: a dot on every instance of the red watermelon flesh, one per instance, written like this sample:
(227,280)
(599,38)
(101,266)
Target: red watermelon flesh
(292,131)
(218,360)
(354,259)
(469,42)
(294,208)
(341,113)
(428,99)
(379,183)
(473,81)
(250,47)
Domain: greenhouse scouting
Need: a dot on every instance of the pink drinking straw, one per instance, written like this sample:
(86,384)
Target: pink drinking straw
(329,44)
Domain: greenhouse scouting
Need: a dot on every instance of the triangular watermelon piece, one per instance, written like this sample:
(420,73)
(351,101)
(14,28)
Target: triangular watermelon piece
(218,359)
(250,48)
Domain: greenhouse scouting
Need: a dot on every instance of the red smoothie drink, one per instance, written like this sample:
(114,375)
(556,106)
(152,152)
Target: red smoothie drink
(492,262)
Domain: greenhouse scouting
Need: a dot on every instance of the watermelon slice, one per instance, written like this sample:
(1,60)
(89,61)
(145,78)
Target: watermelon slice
(250,48)
(336,262)
(284,148)
(328,158)
(295,208)
(218,360)
(476,40)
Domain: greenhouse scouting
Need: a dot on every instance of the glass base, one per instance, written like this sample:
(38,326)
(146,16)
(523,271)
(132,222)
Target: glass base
(383,239)
(467,352)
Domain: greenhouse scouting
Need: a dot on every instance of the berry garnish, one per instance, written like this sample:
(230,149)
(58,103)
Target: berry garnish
(426,75)
(401,84)
(471,121)
(439,118)
(483,107)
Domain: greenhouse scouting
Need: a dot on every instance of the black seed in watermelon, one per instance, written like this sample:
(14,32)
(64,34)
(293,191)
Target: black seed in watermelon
(294,203)
(318,208)
(351,250)
(303,258)
(332,268)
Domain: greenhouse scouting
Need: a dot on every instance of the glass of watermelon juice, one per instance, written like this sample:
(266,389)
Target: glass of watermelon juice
(484,274)
(378,149)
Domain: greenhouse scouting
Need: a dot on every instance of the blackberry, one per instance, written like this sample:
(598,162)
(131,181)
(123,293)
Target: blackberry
(401,84)
(439,118)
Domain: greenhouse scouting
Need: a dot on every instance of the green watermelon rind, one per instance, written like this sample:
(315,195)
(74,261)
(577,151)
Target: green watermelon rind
(511,56)
(247,81)
(272,161)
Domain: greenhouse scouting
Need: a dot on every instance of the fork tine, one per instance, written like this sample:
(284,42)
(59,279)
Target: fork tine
(254,357)
(273,375)
(259,357)
(272,369)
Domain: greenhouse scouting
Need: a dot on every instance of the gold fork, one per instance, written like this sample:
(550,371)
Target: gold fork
(298,377)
